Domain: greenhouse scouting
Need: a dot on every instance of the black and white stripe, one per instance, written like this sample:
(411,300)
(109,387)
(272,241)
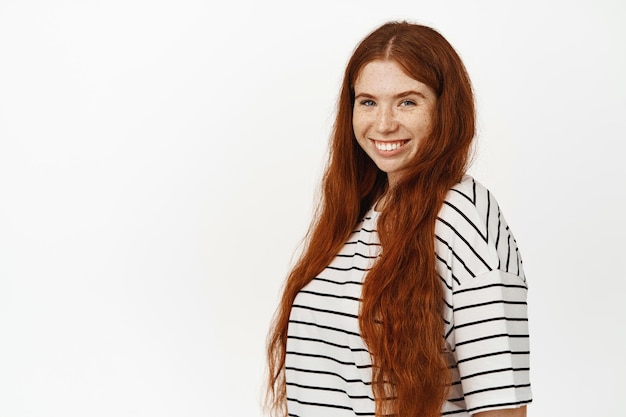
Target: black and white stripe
(328,367)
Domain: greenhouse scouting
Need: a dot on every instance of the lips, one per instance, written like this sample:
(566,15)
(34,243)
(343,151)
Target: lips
(389,146)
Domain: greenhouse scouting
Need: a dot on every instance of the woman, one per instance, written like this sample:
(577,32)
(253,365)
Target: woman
(409,298)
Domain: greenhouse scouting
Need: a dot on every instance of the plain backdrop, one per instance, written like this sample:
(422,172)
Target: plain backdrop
(158,168)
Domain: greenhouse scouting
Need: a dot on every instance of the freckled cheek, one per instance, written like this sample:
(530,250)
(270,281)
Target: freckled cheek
(418,126)
(361,123)
(358,126)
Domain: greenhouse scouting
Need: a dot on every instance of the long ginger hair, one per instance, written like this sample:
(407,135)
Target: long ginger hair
(401,311)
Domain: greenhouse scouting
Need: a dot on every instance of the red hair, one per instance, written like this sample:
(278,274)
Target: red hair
(402,298)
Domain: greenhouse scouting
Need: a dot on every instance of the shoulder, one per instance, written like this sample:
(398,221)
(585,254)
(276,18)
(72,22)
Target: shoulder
(470,195)
(468,207)
(473,228)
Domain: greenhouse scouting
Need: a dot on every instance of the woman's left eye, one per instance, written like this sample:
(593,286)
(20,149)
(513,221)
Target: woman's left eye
(407,103)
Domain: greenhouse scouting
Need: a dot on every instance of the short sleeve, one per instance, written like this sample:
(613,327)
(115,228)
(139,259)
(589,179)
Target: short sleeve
(485,303)
(492,342)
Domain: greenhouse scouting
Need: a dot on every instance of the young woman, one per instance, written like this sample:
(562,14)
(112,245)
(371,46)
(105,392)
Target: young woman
(409,298)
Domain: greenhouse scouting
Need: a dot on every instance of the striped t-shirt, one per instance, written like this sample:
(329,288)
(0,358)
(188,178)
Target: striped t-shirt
(328,367)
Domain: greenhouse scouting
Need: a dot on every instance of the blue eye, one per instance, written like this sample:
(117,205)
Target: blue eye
(407,103)
(367,103)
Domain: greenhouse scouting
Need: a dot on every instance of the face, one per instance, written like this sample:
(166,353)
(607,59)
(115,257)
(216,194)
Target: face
(392,114)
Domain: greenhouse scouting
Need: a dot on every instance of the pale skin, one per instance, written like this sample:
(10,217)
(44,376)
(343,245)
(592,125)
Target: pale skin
(392,114)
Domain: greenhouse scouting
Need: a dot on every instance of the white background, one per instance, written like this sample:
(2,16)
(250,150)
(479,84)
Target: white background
(158,165)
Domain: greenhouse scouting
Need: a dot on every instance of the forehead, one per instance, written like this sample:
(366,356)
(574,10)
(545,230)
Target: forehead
(385,75)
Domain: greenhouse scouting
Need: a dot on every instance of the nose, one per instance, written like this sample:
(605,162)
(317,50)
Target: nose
(386,120)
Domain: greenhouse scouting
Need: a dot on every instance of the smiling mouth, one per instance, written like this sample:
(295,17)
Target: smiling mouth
(389,146)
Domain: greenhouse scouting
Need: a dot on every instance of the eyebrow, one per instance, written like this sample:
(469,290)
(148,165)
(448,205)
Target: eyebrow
(396,96)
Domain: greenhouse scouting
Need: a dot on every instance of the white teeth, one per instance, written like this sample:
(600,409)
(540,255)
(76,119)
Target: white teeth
(388,146)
